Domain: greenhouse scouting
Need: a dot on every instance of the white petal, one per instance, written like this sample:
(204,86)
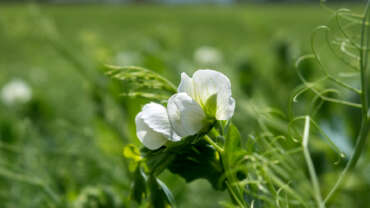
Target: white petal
(209,82)
(225,109)
(186,85)
(185,114)
(150,139)
(155,116)
(153,127)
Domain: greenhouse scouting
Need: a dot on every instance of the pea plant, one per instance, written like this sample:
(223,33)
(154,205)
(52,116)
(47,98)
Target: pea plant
(188,129)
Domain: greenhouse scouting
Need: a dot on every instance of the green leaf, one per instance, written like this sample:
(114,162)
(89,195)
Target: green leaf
(157,160)
(232,147)
(160,195)
(232,154)
(168,193)
(143,83)
(192,158)
(199,161)
(132,153)
(138,189)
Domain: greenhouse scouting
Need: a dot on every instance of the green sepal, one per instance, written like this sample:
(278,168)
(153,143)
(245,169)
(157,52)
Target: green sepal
(210,106)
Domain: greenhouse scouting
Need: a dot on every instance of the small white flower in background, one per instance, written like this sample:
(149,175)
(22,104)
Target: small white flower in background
(207,55)
(200,100)
(206,96)
(153,127)
(16,91)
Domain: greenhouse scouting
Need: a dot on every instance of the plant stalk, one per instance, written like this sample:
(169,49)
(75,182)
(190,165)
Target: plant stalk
(214,144)
(363,133)
(311,168)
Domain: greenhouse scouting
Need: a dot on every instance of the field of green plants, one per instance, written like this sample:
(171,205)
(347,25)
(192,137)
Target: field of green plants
(73,78)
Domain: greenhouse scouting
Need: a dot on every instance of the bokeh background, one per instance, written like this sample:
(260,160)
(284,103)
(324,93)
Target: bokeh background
(63,124)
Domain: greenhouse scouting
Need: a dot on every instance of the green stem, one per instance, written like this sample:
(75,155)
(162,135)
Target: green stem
(233,195)
(311,168)
(349,87)
(214,144)
(229,186)
(362,136)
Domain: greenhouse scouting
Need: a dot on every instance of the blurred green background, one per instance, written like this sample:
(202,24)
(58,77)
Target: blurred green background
(63,146)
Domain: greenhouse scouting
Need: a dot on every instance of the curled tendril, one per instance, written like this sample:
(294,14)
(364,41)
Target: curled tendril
(319,101)
(332,145)
(330,43)
(344,49)
(322,67)
(313,85)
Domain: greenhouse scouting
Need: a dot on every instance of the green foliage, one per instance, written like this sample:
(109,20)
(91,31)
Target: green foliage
(132,154)
(140,82)
(92,197)
(232,160)
(138,189)
(191,159)
(54,149)
(160,194)
(199,161)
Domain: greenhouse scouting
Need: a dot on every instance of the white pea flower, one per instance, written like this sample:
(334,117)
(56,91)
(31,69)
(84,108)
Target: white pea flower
(207,55)
(153,127)
(204,97)
(16,91)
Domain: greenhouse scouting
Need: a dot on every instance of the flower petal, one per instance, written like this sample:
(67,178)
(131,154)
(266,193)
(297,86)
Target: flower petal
(150,139)
(155,117)
(186,85)
(185,114)
(207,83)
(225,108)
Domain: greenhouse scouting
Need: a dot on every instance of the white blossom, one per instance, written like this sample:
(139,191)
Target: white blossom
(153,127)
(16,91)
(207,55)
(207,95)
(200,100)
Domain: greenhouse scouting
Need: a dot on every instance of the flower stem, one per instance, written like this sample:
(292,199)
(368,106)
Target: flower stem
(214,144)
(231,188)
